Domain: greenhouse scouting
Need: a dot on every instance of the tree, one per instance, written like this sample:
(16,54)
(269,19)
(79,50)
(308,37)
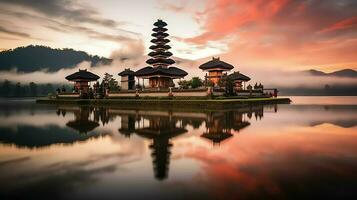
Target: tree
(327,89)
(48,88)
(6,88)
(208,83)
(110,82)
(196,82)
(18,89)
(228,84)
(184,84)
(33,58)
(33,89)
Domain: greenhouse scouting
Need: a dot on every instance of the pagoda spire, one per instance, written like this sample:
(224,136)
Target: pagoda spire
(160,56)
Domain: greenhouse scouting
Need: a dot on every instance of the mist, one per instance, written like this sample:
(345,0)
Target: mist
(131,55)
(293,79)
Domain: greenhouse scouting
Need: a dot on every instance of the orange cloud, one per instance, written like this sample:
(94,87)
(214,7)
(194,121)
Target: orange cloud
(281,33)
(226,16)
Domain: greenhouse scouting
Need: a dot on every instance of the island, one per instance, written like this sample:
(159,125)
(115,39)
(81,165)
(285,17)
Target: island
(220,88)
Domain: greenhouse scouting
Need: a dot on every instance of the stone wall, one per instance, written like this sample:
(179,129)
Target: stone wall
(178,93)
(124,83)
(68,95)
(246,93)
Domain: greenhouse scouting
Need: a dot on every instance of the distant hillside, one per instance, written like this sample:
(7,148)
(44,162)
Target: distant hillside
(33,58)
(326,90)
(341,73)
(347,89)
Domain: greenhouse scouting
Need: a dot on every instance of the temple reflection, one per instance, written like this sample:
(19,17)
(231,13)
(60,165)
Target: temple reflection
(161,127)
(219,126)
(127,125)
(82,121)
(160,130)
(201,153)
(80,128)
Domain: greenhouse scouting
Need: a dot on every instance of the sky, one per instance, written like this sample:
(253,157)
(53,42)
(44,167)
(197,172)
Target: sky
(253,35)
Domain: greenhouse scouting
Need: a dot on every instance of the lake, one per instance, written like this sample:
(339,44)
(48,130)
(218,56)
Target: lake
(305,150)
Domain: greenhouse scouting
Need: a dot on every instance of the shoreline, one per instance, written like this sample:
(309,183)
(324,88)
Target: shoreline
(179,103)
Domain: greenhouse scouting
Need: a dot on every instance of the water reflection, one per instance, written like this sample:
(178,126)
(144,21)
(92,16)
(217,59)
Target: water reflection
(158,126)
(82,121)
(273,151)
(162,126)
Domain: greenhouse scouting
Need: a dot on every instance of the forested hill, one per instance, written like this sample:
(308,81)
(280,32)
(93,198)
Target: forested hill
(34,58)
(340,73)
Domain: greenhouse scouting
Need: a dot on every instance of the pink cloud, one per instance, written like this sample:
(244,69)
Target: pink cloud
(343,24)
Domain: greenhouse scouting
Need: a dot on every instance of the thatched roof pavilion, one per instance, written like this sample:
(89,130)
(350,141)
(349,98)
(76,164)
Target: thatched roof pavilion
(239,80)
(215,69)
(81,80)
(127,72)
(82,75)
(237,76)
(216,64)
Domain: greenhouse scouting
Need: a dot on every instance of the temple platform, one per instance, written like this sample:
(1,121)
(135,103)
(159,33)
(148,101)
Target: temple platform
(179,102)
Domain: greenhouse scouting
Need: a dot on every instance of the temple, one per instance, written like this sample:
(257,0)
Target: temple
(160,73)
(157,79)
(81,80)
(215,69)
(127,79)
(239,80)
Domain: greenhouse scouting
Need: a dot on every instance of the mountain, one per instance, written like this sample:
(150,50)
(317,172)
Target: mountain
(340,73)
(332,89)
(345,73)
(33,58)
(315,72)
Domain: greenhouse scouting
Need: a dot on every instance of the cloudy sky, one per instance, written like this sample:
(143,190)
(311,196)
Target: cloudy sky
(250,34)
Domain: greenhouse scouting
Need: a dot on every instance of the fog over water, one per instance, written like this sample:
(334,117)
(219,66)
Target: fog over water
(270,78)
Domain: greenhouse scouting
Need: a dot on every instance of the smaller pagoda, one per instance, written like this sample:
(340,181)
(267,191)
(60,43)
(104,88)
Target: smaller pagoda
(81,80)
(215,69)
(127,79)
(239,80)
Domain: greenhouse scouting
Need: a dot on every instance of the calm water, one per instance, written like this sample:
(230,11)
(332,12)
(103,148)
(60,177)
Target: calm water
(304,150)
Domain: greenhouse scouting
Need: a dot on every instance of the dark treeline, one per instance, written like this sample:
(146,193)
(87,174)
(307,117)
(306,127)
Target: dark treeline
(33,58)
(17,89)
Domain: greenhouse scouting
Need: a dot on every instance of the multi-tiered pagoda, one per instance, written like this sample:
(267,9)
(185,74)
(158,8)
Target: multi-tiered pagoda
(160,73)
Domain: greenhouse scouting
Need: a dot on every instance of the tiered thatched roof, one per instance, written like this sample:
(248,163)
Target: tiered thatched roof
(160,60)
(82,75)
(239,76)
(216,63)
